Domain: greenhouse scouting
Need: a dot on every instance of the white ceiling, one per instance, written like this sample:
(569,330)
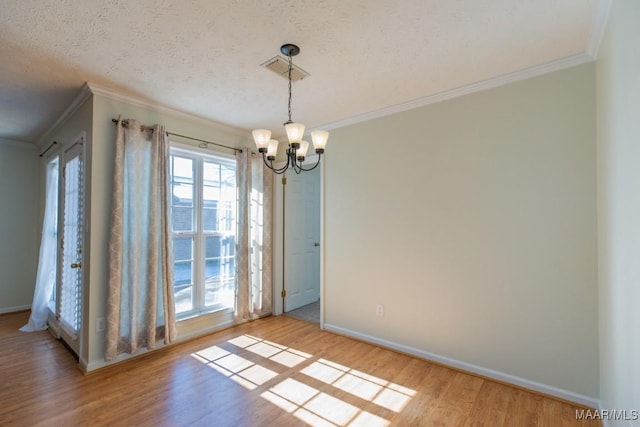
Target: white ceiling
(203,58)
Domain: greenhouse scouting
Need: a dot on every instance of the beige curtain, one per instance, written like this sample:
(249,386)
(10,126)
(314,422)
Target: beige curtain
(140,306)
(254,239)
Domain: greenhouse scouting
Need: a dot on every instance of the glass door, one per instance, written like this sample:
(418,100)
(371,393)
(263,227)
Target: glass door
(70,224)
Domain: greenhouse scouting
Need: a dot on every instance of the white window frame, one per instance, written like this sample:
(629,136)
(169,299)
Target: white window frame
(199,235)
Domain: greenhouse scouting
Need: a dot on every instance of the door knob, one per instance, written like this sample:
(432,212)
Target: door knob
(75,265)
(316,244)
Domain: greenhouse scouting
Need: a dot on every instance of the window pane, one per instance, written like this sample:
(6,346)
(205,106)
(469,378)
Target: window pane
(182,193)
(182,168)
(219,291)
(183,248)
(212,269)
(227,215)
(212,174)
(219,270)
(220,247)
(219,197)
(210,217)
(71,286)
(211,195)
(183,273)
(182,218)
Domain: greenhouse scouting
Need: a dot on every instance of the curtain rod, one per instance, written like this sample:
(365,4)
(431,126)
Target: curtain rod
(202,141)
(48,148)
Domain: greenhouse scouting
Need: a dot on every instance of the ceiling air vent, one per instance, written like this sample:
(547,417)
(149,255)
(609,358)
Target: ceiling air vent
(280,65)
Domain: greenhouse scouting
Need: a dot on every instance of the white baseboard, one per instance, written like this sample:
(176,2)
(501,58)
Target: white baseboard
(86,366)
(468,367)
(14,309)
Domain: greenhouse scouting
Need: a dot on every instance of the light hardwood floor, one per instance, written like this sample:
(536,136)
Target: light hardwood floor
(276,371)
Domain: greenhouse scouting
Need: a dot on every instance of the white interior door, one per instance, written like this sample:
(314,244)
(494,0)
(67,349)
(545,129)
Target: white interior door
(70,256)
(302,239)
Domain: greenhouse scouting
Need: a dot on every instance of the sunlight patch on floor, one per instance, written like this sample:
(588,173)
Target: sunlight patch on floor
(319,408)
(246,373)
(302,400)
(278,353)
(368,387)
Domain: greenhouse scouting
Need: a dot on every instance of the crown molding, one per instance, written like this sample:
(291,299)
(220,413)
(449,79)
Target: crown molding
(598,26)
(19,144)
(84,94)
(108,93)
(527,73)
(89,89)
(600,20)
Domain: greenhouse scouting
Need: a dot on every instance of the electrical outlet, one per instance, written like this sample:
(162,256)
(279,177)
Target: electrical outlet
(100,324)
(379,310)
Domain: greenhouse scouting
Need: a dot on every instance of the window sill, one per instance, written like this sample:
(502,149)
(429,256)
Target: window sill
(194,315)
(204,323)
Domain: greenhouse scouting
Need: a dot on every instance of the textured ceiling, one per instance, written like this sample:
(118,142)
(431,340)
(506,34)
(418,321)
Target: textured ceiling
(203,57)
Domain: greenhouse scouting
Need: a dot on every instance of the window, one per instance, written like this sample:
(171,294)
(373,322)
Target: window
(70,284)
(203,209)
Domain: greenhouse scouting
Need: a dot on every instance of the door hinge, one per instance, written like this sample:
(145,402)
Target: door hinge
(284,180)
(283,293)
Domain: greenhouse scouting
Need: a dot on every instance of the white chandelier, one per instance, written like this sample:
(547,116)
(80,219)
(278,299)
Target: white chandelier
(297,149)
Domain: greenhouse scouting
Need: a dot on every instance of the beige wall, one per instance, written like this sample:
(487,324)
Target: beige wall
(618,111)
(20,224)
(473,221)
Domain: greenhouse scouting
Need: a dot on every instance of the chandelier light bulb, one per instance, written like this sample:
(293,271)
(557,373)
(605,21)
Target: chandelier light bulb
(319,138)
(261,138)
(301,152)
(295,132)
(272,149)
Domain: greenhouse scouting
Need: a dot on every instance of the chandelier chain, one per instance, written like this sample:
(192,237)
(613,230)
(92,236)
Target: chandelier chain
(289,104)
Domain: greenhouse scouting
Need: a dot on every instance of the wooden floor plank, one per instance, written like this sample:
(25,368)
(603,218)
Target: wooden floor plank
(276,371)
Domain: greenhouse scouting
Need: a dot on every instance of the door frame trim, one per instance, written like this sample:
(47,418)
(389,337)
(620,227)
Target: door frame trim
(278,244)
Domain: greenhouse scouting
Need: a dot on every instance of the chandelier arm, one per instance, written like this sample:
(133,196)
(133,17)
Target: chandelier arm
(284,168)
(281,170)
(313,167)
(277,171)
(297,167)
(264,159)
